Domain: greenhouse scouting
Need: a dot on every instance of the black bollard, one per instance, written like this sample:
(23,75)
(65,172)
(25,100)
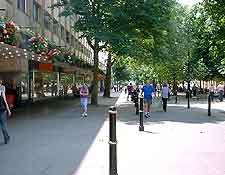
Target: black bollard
(141,112)
(112,141)
(136,103)
(209,105)
(188,99)
(176,99)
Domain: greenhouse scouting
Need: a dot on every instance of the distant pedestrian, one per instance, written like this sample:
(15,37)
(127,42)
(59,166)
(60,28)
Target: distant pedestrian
(220,89)
(212,91)
(4,109)
(165,95)
(130,90)
(84,99)
(148,91)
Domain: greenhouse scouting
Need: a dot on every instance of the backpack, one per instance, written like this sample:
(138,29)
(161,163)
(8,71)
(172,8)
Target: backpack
(2,104)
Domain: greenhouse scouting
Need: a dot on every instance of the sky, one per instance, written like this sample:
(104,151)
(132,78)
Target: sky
(188,2)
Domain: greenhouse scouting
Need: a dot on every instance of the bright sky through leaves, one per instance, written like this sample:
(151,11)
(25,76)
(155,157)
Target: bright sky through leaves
(188,2)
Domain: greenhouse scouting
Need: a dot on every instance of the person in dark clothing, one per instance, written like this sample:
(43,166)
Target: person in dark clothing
(4,107)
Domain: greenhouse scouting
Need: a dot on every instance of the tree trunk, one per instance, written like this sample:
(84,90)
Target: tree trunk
(108,76)
(94,95)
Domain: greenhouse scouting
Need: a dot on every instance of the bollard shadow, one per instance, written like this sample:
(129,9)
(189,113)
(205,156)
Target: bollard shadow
(175,113)
(151,132)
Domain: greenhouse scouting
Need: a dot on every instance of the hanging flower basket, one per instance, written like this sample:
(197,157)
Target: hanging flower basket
(38,45)
(7,32)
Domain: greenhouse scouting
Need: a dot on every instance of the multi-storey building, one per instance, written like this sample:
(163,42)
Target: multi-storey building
(45,80)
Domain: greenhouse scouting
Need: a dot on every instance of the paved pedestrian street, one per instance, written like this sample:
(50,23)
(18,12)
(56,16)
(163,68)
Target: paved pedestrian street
(55,140)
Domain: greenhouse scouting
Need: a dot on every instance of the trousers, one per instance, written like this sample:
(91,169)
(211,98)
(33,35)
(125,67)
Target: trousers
(3,125)
(164,100)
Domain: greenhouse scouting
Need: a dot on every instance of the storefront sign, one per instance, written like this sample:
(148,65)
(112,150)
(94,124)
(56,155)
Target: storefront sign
(45,67)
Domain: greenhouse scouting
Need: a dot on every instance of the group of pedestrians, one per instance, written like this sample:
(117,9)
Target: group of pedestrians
(149,92)
(219,90)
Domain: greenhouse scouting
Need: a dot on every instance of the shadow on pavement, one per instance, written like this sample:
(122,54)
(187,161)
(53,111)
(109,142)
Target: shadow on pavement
(174,114)
(51,138)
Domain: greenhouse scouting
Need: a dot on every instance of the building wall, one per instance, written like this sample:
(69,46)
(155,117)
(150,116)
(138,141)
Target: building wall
(47,22)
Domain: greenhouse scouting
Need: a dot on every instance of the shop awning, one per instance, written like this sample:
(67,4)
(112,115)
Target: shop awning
(13,59)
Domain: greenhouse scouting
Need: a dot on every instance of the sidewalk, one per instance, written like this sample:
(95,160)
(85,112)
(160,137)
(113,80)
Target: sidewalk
(180,141)
(51,139)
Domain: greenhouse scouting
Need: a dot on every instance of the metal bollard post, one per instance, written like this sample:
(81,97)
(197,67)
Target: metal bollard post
(136,105)
(209,105)
(176,99)
(141,112)
(112,141)
(188,99)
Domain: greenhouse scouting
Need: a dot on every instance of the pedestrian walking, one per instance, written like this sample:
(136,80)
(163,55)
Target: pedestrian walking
(165,95)
(4,109)
(130,90)
(220,89)
(84,99)
(148,91)
(211,92)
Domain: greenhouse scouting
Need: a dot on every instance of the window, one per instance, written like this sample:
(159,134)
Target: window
(62,32)
(47,21)
(36,11)
(56,27)
(22,5)
(67,37)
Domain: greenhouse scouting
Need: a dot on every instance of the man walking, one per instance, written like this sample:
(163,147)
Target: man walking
(4,107)
(220,89)
(165,95)
(84,99)
(148,90)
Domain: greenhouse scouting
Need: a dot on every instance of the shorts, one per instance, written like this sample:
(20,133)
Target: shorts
(83,102)
(148,101)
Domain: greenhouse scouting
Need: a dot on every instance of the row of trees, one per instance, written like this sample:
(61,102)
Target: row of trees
(194,47)
(154,39)
(124,28)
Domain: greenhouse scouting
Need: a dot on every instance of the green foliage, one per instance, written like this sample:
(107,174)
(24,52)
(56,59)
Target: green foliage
(120,71)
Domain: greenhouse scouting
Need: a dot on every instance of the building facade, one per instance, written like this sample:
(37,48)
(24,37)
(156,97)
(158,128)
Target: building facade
(38,78)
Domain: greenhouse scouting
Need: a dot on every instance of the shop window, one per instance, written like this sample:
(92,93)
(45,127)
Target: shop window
(22,5)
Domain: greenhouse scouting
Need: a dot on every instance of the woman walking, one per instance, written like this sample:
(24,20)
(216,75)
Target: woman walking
(84,99)
(4,107)
(165,94)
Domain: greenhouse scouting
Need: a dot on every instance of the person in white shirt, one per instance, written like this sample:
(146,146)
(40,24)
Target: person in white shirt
(165,94)
(211,91)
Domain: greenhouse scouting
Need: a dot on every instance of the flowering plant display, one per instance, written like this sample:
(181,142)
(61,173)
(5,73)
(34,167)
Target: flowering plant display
(7,32)
(38,45)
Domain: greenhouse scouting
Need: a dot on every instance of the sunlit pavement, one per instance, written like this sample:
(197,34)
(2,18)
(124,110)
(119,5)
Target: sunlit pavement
(181,141)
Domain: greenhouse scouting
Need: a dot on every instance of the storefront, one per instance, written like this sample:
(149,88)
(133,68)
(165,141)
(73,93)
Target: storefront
(13,67)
